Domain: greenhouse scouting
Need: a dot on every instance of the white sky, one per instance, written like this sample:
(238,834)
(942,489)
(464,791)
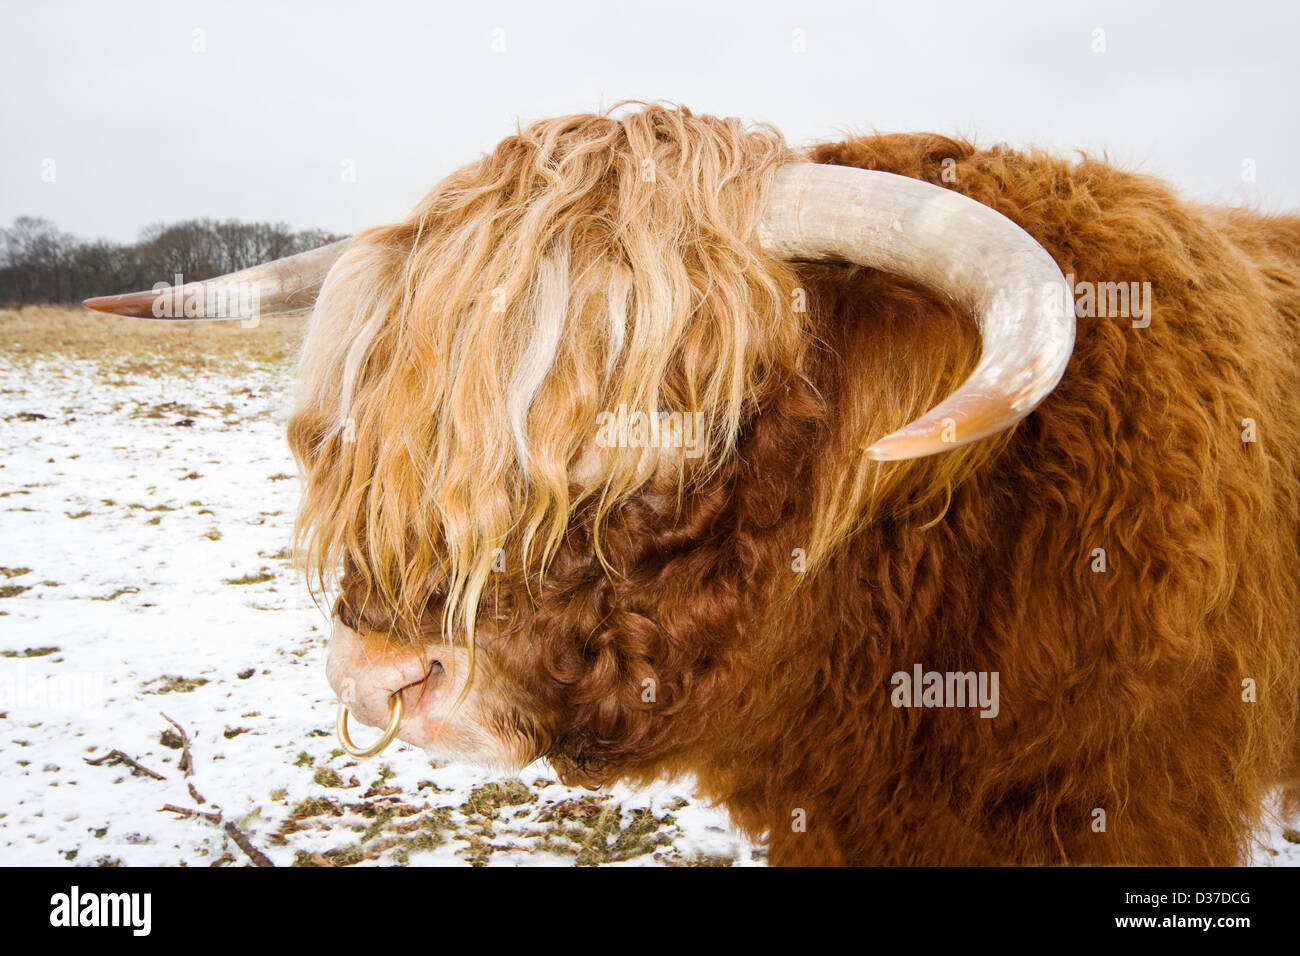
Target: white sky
(140,127)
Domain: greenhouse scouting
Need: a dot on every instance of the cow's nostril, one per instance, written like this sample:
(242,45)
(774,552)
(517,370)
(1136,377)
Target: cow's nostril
(435,669)
(344,614)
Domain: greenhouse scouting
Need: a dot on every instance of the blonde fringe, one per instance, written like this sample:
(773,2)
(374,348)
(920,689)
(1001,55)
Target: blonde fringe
(456,362)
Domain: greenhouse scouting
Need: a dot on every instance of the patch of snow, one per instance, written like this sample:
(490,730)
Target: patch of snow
(152,516)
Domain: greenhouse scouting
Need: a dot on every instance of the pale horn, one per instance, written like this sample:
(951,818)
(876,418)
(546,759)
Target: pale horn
(274,288)
(980,260)
(976,257)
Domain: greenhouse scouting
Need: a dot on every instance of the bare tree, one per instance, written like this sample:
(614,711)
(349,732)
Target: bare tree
(40,264)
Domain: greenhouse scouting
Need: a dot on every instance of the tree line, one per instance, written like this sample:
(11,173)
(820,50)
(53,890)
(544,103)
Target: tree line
(40,264)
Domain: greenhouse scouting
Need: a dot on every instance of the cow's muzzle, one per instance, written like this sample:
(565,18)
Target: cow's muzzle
(384,684)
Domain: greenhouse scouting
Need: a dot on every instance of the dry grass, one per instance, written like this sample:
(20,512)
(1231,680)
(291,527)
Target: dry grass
(142,345)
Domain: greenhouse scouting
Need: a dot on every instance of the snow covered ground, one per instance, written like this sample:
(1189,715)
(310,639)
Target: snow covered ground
(144,521)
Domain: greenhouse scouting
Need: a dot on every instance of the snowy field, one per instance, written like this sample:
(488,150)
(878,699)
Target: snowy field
(144,572)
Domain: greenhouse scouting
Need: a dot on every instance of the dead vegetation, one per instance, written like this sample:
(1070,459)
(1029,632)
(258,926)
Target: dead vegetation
(140,346)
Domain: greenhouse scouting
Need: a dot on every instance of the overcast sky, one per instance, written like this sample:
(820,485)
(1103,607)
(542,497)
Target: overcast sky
(341,118)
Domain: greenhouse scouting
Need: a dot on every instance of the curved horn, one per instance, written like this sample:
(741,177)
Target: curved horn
(285,285)
(976,257)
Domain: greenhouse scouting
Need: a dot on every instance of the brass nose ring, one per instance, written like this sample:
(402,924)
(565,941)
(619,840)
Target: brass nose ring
(394,721)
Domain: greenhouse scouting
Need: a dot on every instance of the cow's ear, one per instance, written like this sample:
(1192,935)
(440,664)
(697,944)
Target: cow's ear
(892,349)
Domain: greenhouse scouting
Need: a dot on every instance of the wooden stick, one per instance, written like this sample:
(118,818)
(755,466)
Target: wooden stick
(118,757)
(244,843)
(187,762)
(187,765)
(186,812)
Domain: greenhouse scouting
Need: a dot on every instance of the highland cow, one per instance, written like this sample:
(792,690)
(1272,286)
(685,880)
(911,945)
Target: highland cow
(1051,618)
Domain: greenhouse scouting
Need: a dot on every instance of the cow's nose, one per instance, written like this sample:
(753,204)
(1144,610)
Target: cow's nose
(366,670)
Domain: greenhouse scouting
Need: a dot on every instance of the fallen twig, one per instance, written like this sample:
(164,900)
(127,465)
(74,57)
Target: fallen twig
(187,762)
(187,812)
(187,766)
(244,843)
(116,756)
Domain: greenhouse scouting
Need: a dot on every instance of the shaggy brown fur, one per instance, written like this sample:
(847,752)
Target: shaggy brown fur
(1121,690)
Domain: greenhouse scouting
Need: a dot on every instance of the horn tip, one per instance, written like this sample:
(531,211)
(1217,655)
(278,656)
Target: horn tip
(880,451)
(137,305)
(901,446)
